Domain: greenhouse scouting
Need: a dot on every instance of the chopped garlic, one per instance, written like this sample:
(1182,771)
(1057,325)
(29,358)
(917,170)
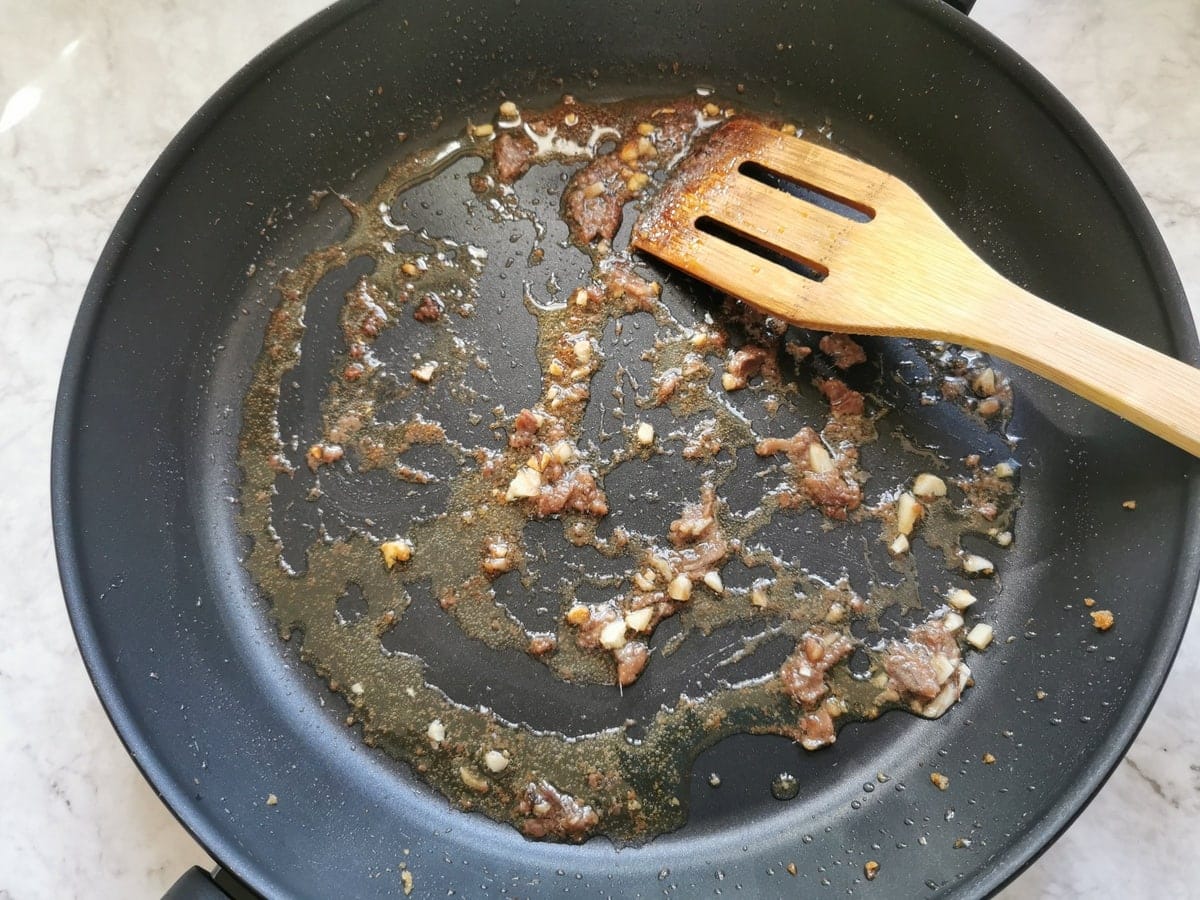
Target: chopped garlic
(564,451)
(582,350)
(639,619)
(899,546)
(399,550)
(758,597)
(526,483)
(1004,538)
(731,382)
(645,434)
(908,511)
(509,110)
(819,459)
(424,372)
(473,779)
(927,485)
(712,580)
(484,130)
(357,689)
(985,382)
(980,636)
(644,580)
(436,731)
(977,565)
(952,621)
(612,635)
(495,761)
(943,668)
(578,615)
(680,587)
(960,599)
(1003,470)
(637,182)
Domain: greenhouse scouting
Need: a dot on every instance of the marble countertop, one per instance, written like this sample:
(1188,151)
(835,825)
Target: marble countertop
(89,95)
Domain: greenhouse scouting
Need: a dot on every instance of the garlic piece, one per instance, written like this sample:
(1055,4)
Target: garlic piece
(526,483)
(899,546)
(436,732)
(908,511)
(952,621)
(980,636)
(639,619)
(645,434)
(644,580)
(398,550)
(582,350)
(712,581)
(819,459)
(680,587)
(960,599)
(929,485)
(424,372)
(977,565)
(564,451)
(612,635)
(943,668)
(495,761)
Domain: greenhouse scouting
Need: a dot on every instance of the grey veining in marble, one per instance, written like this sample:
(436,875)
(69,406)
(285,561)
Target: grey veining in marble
(91,92)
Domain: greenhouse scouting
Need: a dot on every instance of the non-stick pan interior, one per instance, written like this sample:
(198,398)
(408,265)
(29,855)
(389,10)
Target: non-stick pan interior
(220,713)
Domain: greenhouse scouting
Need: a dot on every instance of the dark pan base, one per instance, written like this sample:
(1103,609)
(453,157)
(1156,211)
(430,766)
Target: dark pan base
(219,713)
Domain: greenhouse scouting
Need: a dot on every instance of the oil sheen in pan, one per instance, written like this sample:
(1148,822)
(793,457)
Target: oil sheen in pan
(651,520)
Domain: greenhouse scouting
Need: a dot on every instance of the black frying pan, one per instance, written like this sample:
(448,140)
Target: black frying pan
(218,713)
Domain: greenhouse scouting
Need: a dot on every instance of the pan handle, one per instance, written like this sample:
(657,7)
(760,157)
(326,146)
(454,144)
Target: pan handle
(963,6)
(197,884)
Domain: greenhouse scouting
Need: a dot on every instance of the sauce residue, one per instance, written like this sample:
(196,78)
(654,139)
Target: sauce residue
(406,411)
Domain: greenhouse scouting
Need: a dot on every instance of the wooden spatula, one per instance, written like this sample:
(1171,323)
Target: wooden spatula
(884,263)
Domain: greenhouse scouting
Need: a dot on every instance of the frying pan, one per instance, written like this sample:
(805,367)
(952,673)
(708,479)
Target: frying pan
(218,713)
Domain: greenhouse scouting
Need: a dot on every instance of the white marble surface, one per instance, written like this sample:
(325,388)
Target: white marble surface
(90,93)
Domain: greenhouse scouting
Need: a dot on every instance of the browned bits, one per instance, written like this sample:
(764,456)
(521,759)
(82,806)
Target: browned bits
(628,153)
(1102,619)
(988,407)
(410,269)
(711,110)
(406,881)
(988,759)
(791,869)
(322,455)
(1039,695)
(637,182)
(1089,601)
(870,869)
(940,781)
(509,110)
(645,129)
(578,615)
(1130,504)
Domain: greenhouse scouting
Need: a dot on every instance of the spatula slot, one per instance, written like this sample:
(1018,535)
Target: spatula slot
(818,196)
(793,262)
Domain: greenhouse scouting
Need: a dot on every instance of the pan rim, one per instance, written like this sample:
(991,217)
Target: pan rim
(1018,854)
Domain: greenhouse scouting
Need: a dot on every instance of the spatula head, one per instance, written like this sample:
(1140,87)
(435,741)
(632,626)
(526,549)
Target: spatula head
(808,234)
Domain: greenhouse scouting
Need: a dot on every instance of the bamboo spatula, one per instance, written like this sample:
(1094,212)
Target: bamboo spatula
(886,264)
